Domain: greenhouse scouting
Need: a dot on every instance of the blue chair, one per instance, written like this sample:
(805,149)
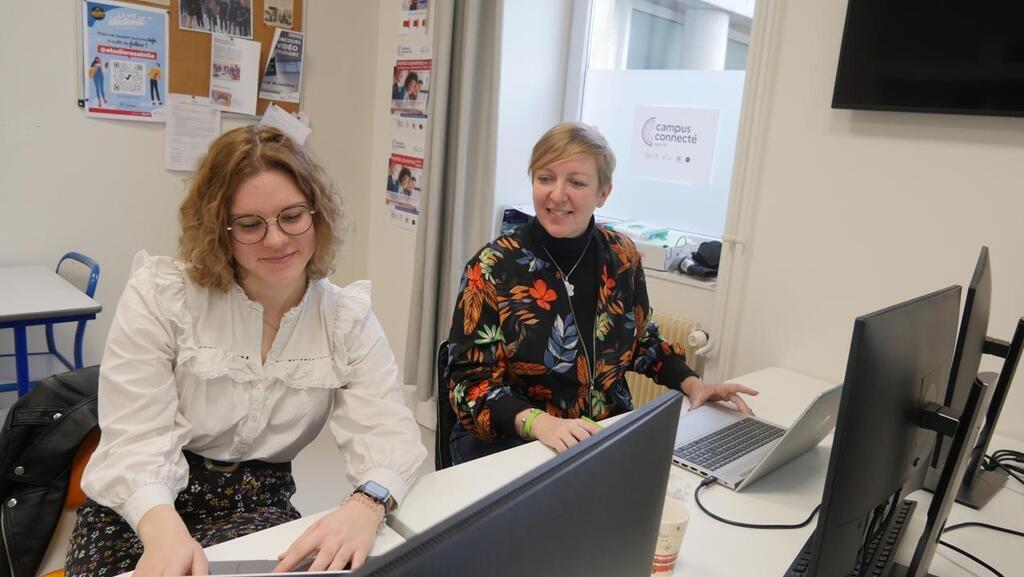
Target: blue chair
(84,273)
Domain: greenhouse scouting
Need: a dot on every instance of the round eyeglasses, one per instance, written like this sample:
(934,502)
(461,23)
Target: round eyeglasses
(252,228)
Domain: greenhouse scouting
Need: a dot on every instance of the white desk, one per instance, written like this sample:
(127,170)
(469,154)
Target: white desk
(35,295)
(269,543)
(785,496)
(710,548)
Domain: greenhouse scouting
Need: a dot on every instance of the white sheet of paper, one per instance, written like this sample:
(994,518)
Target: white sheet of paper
(234,74)
(281,119)
(192,123)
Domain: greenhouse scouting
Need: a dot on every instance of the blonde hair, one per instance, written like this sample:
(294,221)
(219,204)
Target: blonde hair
(571,139)
(239,154)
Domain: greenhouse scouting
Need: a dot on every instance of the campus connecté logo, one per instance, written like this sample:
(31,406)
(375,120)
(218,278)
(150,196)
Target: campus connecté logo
(647,132)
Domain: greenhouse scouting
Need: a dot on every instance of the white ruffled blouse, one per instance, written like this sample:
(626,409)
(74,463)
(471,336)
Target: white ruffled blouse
(182,370)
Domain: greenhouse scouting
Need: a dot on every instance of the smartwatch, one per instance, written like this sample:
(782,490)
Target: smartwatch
(378,493)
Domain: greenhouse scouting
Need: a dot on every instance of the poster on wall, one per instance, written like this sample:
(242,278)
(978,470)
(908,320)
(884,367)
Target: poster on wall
(404,189)
(414,16)
(125,64)
(410,87)
(232,17)
(234,69)
(674,143)
(282,77)
(279,13)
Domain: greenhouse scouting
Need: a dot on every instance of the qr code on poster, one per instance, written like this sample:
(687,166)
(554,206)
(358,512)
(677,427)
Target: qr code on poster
(127,77)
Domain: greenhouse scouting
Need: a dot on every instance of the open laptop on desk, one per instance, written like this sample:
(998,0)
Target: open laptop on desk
(736,449)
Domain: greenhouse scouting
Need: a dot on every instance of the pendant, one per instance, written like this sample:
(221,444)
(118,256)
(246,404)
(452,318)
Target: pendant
(569,287)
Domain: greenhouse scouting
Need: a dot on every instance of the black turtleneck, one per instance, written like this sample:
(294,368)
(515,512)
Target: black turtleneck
(584,278)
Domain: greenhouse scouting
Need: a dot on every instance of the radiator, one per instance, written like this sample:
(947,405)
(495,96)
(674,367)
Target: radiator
(673,329)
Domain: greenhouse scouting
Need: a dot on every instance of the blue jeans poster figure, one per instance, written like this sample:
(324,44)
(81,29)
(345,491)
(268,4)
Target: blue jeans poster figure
(125,60)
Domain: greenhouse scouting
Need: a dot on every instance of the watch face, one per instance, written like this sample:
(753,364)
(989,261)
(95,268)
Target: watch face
(375,490)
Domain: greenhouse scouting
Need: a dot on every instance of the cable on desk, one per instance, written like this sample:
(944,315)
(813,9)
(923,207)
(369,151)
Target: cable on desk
(985,526)
(972,558)
(1008,460)
(710,480)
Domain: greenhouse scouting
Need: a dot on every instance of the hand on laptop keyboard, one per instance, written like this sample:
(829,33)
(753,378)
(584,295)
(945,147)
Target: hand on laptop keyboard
(700,392)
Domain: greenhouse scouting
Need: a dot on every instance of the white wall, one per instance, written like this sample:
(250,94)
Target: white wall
(390,249)
(859,210)
(99,187)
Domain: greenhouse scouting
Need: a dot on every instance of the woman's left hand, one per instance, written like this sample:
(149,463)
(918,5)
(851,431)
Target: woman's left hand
(342,536)
(700,392)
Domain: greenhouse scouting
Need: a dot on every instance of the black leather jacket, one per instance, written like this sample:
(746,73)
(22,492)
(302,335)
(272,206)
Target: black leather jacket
(38,442)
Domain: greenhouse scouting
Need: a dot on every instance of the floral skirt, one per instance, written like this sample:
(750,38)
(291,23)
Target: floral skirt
(221,502)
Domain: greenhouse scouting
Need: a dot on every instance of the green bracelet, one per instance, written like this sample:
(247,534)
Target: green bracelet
(528,424)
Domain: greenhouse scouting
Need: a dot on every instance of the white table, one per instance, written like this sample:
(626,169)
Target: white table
(269,543)
(36,295)
(784,496)
(711,548)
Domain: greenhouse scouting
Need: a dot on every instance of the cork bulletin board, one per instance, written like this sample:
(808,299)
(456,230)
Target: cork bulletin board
(189,51)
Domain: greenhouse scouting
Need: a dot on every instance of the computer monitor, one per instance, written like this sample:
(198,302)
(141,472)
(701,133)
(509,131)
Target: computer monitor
(978,484)
(593,510)
(970,342)
(897,368)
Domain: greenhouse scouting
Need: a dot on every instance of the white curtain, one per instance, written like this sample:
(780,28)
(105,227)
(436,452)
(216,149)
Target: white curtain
(458,211)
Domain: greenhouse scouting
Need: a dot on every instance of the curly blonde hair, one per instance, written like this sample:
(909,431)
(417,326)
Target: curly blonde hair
(569,139)
(239,154)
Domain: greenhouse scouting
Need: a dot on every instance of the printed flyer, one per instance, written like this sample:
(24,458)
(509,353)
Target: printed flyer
(404,187)
(125,65)
(282,78)
(234,69)
(414,16)
(410,87)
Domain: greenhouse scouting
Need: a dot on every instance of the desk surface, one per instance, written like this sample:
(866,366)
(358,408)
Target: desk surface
(269,543)
(36,292)
(709,548)
(787,495)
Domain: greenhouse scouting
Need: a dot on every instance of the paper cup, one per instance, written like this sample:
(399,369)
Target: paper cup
(674,518)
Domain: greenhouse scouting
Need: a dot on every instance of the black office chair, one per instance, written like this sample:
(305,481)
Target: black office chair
(445,414)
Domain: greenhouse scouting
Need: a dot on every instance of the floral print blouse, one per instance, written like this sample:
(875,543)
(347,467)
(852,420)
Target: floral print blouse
(514,343)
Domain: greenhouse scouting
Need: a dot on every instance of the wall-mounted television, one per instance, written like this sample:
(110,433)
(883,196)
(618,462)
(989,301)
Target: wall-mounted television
(932,56)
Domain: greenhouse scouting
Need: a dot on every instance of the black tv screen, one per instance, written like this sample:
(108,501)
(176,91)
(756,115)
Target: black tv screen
(932,56)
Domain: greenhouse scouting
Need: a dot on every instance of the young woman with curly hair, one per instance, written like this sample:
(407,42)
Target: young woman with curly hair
(221,366)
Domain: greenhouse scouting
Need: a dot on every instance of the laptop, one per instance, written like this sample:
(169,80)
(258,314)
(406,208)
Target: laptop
(263,568)
(714,440)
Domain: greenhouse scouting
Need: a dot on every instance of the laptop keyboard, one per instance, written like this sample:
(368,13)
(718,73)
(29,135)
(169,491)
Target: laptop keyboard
(725,445)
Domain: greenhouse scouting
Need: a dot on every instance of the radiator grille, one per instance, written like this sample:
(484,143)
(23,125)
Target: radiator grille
(673,329)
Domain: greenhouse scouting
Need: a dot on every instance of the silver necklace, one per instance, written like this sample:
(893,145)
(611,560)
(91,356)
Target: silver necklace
(591,364)
(569,288)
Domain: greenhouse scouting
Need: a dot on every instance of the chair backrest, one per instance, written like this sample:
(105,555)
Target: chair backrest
(445,414)
(87,283)
(86,280)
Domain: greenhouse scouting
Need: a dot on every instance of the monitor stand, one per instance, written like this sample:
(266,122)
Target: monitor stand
(979,484)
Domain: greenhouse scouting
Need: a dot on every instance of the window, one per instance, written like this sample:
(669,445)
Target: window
(663,81)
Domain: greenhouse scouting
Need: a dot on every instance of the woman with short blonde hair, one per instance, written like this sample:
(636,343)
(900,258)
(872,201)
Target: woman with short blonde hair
(550,317)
